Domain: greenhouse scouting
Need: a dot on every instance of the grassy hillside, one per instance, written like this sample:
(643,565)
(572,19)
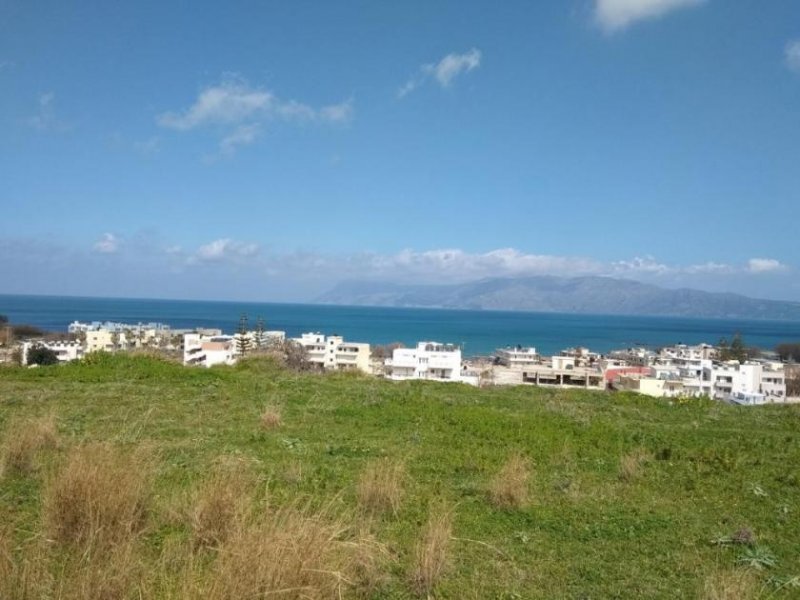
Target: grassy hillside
(131,477)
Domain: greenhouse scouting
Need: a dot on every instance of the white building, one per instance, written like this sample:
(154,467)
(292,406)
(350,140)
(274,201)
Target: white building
(682,351)
(749,383)
(207,351)
(429,360)
(517,356)
(65,351)
(334,353)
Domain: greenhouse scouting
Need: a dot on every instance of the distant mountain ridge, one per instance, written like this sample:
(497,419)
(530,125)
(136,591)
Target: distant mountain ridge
(587,295)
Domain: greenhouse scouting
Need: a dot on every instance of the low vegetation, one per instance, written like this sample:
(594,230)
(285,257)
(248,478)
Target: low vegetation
(133,477)
(25,438)
(380,486)
(509,488)
(432,551)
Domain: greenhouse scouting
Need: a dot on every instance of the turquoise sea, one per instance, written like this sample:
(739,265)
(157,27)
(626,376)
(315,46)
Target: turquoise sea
(479,332)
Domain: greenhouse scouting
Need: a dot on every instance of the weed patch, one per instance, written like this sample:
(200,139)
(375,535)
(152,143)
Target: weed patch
(380,487)
(509,488)
(432,552)
(22,442)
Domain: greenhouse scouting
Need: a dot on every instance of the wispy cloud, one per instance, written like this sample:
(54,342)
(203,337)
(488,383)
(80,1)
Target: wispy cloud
(241,136)
(227,267)
(239,111)
(224,249)
(615,15)
(107,244)
(792,55)
(443,72)
(45,118)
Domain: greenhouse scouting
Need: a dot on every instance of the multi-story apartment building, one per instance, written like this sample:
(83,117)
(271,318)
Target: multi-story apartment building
(65,351)
(207,351)
(429,360)
(517,356)
(334,353)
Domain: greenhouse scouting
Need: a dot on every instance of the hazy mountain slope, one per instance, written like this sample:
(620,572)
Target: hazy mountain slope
(600,295)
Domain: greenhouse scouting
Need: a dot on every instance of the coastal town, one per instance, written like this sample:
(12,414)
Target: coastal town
(724,372)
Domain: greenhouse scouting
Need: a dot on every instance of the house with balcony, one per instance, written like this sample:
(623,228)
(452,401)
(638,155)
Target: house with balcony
(208,350)
(334,353)
(517,356)
(428,360)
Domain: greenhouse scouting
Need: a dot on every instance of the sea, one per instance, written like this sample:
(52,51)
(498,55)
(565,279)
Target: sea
(479,332)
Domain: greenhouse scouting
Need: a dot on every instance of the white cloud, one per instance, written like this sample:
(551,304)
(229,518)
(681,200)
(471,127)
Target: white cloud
(239,111)
(443,71)
(234,102)
(230,102)
(640,264)
(224,249)
(453,65)
(107,244)
(614,15)
(241,136)
(792,55)
(338,113)
(764,265)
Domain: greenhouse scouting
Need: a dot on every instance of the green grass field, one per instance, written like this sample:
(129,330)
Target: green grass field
(621,496)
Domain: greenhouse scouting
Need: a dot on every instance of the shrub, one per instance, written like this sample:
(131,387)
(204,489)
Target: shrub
(99,497)
(23,440)
(293,552)
(40,355)
(509,488)
(380,487)
(432,552)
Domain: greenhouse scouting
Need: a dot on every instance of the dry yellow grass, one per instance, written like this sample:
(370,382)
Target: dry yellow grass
(271,418)
(219,503)
(509,488)
(23,441)
(23,572)
(115,572)
(733,584)
(630,465)
(99,496)
(380,487)
(431,554)
(292,552)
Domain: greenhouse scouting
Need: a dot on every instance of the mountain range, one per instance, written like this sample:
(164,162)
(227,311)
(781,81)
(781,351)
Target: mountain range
(587,295)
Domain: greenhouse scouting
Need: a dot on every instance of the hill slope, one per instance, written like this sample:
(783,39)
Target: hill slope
(624,493)
(595,295)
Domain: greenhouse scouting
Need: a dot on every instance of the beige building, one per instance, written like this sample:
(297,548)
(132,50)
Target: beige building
(650,386)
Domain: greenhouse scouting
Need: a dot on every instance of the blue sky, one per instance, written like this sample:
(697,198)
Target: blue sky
(266,150)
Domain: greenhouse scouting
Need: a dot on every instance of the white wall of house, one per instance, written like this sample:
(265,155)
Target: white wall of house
(517,357)
(429,360)
(333,352)
(65,351)
(207,351)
